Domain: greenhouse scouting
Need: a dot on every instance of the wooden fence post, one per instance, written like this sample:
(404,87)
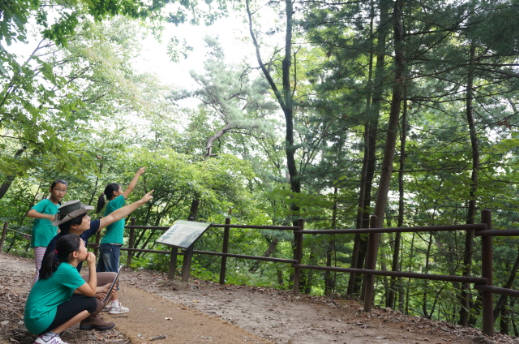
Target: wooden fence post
(298,253)
(486,271)
(4,234)
(371,260)
(172,262)
(131,243)
(186,266)
(225,249)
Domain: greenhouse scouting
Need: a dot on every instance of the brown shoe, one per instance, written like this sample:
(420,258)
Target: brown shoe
(95,322)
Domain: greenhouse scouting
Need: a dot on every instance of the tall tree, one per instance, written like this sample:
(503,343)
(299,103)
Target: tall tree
(284,96)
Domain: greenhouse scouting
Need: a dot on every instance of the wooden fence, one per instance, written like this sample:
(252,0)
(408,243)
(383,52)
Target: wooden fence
(483,230)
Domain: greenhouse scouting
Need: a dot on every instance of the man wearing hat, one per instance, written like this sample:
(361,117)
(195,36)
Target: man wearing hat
(73,218)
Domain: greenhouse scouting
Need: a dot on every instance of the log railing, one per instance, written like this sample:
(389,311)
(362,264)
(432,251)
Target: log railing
(483,230)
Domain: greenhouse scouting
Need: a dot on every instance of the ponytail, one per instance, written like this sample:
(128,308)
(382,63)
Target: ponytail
(100,203)
(64,246)
(109,192)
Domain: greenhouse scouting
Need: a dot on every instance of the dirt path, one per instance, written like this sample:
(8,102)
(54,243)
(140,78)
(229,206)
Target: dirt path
(157,320)
(165,311)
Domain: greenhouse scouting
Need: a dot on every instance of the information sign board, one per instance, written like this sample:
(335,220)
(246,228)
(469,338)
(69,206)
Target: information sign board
(183,233)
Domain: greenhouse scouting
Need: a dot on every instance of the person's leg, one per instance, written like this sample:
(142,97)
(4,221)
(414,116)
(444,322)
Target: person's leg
(104,251)
(74,320)
(116,255)
(94,321)
(68,313)
(39,252)
(109,257)
(52,336)
(102,279)
(71,308)
(105,277)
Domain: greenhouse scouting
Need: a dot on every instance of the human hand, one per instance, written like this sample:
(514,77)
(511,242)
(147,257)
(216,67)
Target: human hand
(141,170)
(147,197)
(91,258)
(103,289)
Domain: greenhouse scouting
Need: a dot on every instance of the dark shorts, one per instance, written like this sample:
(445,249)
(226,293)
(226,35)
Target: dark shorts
(67,310)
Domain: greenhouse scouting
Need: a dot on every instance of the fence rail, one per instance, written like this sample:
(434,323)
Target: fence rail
(482,284)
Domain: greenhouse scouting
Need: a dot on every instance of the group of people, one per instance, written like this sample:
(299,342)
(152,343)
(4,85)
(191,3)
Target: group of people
(60,296)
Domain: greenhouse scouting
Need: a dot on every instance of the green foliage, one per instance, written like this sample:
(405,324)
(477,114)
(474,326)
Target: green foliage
(75,109)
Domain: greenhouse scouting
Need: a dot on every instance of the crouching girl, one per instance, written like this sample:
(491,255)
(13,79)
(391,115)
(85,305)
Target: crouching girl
(61,297)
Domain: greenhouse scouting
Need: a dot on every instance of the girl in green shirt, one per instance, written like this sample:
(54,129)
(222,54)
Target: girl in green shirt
(61,297)
(110,245)
(43,230)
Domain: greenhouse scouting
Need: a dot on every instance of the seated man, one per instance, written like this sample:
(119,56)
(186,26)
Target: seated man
(73,218)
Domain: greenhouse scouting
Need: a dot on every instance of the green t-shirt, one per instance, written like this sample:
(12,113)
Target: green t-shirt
(46,295)
(43,231)
(115,231)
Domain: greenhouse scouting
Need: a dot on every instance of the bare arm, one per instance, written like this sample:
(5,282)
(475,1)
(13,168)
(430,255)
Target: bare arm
(35,214)
(89,289)
(124,211)
(133,182)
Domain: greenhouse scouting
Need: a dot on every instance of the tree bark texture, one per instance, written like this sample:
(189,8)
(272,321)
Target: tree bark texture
(395,264)
(465,298)
(369,160)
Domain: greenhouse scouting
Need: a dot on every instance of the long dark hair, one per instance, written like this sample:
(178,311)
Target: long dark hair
(64,246)
(109,192)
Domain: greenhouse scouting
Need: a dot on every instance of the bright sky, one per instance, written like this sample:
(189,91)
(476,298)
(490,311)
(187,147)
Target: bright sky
(232,33)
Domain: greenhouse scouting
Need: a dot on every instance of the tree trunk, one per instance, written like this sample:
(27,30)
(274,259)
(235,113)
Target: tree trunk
(9,179)
(369,160)
(310,274)
(411,255)
(426,270)
(271,249)
(285,100)
(395,265)
(392,129)
(508,284)
(329,279)
(193,210)
(94,192)
(504,322)
(465,299)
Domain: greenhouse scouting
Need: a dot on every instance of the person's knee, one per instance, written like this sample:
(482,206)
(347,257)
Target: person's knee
(91,305)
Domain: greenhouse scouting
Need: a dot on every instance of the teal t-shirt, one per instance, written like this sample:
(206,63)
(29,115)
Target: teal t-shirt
(115,231)
(46,295)
(43,231)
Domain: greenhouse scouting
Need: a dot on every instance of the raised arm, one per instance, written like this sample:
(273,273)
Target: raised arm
(133,182)
(124,211)
(35,214)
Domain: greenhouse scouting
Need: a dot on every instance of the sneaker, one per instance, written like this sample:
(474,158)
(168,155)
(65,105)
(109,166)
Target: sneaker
(49,338)
(118,309)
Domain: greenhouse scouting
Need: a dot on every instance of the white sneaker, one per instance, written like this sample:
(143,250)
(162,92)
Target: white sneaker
(49,338)
(118,309)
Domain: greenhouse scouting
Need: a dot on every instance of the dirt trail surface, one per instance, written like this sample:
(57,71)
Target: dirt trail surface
(165,311)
